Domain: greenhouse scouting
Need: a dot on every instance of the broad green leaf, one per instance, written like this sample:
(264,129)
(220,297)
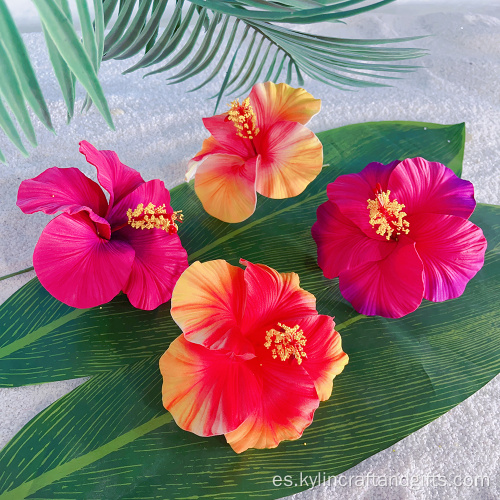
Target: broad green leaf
(111,438)
(43,340)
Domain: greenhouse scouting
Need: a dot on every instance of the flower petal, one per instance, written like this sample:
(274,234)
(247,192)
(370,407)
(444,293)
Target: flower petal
(115,177)
(325,357)
(292,157)
(452,251)
(62,190)
(430,187)
(225,133)
(225,185)
(391,287)
(208,304)
(159,261)
(271,298)
(272,103)
(351,193)
(341,244)
(285,409)
(78,267)
(208,392)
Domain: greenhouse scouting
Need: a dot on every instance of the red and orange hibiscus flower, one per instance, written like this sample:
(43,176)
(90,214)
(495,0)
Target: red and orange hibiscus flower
(95,248)
(259,146)
(255,357)
(395,234)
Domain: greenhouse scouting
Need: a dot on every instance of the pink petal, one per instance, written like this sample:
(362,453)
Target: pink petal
(63,190)
(452,251)
(153,192)
(273,103)
(286,407)
(159,261)
(225,185)
(351,193)
(273,297)
(341,244)
(208,304)
(208,392)
(78,267)
(325,358)
(224,132)
(391,287)
(115,177)
(292,157)
(430,187)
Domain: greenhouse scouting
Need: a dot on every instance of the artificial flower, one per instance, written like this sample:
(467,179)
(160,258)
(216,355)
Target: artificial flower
(255,357)
(97,248)
(259,146)
(395,234)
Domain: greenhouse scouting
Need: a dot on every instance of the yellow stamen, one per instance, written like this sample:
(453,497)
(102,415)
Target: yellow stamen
(290,342)
(152,217)
(387,215)
(244,119)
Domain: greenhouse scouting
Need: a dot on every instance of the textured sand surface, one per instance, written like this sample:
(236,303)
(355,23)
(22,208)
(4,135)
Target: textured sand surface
(159,128)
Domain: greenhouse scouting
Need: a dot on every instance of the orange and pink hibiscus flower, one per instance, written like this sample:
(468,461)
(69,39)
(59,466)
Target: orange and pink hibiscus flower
(255,357)
(97,248)
(259,146)
(395,234)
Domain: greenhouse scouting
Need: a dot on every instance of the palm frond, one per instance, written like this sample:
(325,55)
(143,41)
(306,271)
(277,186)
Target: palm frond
(239,38)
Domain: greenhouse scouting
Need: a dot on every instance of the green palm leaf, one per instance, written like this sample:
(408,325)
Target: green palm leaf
(199,35)
(111,437)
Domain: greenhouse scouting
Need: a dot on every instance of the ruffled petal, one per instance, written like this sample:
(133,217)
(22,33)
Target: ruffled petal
(208,304)
(65,190)
(271,298)
(115,177)
(351,193)
(210,146)
(273,103)
(78,267)
(341,244)
(225,133)
(225,185)
(208,392)
(285,409)
(325,358)
(292,157)
(452,251)
(159,261)
(430,187)
(392,287)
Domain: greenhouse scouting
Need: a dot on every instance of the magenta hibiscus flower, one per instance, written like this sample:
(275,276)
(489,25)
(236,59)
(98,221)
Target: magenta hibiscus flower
(397,233)
(96,248)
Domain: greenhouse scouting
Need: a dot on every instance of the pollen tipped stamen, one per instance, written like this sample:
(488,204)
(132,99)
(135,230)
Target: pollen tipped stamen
(152,217)
(243,118)
(387,215)
(286,344)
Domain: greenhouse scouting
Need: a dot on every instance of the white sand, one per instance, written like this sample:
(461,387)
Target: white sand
(159,128)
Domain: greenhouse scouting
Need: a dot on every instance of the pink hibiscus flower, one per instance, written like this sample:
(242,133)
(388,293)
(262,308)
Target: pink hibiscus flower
(259,146)
(397,233)
(95,248)
(255,358)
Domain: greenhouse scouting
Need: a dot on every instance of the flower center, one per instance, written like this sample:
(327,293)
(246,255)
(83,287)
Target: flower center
(243,118)
(286,343)
(387,215)
(152,217)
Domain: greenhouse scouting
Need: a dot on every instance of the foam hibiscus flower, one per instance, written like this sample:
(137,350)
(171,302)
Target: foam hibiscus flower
(395,234)
(95,248)
(255,357)
(259,146)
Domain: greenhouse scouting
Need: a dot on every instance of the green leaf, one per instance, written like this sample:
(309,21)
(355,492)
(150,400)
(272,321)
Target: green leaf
(43,340)
(111,438)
